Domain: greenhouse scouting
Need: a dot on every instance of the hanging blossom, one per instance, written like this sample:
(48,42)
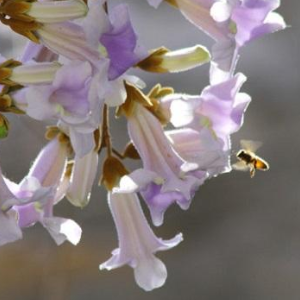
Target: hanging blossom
(10,230)
(232,24)
(32,200)
(207,122)
(164,180)
(74,69)
(77,101)
(137,242)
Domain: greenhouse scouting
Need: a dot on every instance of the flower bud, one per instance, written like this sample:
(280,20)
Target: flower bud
(113,170)
(57,11)
(82,179)
(163,60)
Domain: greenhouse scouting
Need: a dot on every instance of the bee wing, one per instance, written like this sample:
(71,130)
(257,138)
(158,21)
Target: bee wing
(250,145)
(240,166)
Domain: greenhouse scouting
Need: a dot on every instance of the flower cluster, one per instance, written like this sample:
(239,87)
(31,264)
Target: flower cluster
(75,68)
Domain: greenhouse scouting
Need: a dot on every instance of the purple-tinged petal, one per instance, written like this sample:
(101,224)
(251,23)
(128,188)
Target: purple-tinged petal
(225,106)
(28,215)
(49,165)
(96,22)
(253,19)
(219,107)
(224,60)
(7,198)
(71,87)
(121,43)
(9,229)
(274,22)
(202,148)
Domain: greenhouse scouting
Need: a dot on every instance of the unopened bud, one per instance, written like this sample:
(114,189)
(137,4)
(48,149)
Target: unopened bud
(57,11)
(163,60)
(113,170)
(131,152)
(134,96)
(83,177)
(39,73)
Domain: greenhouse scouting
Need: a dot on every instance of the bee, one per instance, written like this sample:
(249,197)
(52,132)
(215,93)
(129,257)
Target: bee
(248,160)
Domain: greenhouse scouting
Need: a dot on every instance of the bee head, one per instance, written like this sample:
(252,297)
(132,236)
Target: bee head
(241,153)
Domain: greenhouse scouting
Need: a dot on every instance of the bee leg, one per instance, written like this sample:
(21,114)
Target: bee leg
(252,171)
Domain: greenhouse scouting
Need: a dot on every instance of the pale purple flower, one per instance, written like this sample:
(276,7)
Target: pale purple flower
(220,107)
(72,98)
(137,242)
(202,148)
(46,173)
(206,123)
(74,93)
(232,24)
(246,20)
(14,196)
(159,157)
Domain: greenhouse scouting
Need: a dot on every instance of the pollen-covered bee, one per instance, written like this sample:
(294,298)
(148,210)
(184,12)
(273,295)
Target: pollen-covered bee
(248,160)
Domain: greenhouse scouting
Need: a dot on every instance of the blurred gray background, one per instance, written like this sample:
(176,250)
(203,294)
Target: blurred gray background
(242,235)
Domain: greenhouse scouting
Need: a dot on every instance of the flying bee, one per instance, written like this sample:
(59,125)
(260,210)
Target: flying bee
(248,160)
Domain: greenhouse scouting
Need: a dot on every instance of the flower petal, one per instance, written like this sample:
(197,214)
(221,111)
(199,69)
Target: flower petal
(150,273)
(9,229)
(63,229)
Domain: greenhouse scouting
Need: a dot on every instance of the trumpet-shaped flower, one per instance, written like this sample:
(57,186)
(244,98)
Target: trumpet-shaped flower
(46,174)
(232,24)
(14,196)
(137,242)
(72,99)
(159,157)
(206,123)
(202,148)
(220,107)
